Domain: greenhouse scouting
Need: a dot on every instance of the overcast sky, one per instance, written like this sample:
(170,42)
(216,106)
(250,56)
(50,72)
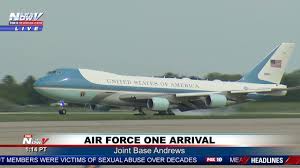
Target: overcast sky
(148,37)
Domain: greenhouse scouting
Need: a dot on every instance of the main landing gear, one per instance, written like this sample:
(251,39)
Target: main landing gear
(140,111)
(168,112)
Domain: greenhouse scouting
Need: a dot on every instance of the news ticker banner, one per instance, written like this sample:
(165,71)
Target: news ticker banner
(148,160)
(152,149)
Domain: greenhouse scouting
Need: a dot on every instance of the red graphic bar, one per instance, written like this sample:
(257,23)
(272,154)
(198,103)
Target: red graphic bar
(244,160)
(28,136)
(27,23)
(293,160)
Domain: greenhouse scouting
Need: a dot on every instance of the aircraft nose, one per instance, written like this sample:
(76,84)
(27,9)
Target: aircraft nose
(39,83)
(36,84)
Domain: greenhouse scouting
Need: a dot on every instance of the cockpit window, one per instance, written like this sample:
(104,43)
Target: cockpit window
(53,73)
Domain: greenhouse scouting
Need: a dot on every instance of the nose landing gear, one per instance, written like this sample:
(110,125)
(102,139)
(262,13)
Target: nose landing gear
(62,110)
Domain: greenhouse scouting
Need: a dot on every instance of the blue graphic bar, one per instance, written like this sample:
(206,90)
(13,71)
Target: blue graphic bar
(147,160)
(21,28)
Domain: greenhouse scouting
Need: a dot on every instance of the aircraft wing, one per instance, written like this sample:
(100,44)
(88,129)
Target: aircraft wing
(201,94)
(196,94)
(145,96)
(250,91)
(133,97)
(290,88)
(233,92)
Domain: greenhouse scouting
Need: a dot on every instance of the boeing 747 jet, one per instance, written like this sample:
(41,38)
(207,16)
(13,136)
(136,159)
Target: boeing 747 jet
(164,94)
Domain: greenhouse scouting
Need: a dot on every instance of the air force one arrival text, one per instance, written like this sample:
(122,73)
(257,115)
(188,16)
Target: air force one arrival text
(166,95)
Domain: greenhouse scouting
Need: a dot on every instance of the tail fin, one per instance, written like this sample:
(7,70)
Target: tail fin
(271,68)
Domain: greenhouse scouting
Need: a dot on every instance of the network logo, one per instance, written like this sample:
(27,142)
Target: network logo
(25,22)
(28,139)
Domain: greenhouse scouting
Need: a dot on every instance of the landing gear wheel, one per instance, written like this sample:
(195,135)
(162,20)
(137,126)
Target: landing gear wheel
(62,111)
(141,112)
(161,113)
(168,112)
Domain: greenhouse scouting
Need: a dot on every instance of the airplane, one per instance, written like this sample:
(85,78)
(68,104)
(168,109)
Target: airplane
(163,95)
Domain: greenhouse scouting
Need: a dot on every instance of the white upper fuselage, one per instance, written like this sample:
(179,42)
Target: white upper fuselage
(182,85)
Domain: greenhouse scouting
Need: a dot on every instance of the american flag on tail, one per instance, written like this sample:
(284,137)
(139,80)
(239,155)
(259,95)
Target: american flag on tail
(276,63)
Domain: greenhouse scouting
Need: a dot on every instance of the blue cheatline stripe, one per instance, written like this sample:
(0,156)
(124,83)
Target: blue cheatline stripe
(131,88)
(252,76)
(77,81)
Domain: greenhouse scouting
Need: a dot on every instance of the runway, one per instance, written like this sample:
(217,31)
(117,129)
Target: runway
(12,132)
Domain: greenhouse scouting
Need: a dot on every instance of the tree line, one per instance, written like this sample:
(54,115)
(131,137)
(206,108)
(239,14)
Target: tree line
(20,93)
(23,93)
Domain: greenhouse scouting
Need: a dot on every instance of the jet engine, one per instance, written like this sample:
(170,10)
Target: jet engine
(158,104)
(215,100)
